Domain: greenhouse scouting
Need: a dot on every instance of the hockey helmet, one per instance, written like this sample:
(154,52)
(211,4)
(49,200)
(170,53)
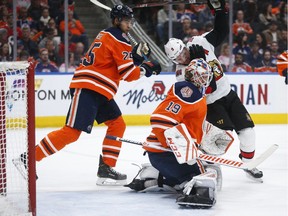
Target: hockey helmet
(199,73)
(120,11)
(173,48)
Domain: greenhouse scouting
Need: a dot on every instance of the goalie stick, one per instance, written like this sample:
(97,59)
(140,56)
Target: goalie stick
(211,158)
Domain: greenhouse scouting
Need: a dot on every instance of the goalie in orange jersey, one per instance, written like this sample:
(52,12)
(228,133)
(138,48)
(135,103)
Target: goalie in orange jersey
(282,65)
(178,127)
(109,60)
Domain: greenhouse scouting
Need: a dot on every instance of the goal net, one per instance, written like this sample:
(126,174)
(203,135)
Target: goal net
(17,135)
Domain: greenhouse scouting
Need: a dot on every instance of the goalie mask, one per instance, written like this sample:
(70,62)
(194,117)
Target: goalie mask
(199,73)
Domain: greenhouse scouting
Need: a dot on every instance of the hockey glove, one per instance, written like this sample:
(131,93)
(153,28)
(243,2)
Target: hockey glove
(197,51)
(216,5)
(150,67)
(138,51)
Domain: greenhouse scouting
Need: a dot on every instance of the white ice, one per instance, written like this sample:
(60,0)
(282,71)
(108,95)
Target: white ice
(67,181)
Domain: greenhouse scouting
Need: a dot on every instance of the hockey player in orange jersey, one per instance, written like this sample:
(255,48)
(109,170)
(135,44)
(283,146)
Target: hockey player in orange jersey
(181,115)
(282,65)
(109,60)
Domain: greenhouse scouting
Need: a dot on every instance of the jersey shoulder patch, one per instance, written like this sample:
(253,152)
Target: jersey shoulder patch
(186,91)
(118,35)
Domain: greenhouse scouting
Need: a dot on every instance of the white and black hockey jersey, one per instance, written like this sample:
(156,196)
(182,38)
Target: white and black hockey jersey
(209,41)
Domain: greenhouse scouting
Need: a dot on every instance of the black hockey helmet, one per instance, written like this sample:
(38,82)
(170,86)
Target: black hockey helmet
(120,11)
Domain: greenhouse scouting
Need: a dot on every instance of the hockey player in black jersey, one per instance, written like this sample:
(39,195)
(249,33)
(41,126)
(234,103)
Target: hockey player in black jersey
(225,110)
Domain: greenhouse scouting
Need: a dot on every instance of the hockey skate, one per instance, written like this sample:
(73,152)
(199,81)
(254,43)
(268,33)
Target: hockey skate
(255,175)
(108,176)
(21,165)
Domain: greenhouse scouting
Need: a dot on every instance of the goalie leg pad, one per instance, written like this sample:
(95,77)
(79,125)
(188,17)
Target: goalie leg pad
(200,192)
(150,181)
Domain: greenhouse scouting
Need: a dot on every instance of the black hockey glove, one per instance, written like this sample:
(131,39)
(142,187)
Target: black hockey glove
(216,5)
(151,67)
(196,51)
(138,51)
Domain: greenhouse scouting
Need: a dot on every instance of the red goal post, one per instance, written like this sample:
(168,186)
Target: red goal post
(17,135)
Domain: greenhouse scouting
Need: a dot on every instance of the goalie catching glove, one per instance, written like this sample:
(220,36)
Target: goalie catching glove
(150,67)
(139,51)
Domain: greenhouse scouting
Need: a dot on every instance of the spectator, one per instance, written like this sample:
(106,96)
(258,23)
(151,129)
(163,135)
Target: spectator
(23,56)
(282,43)
(29,45)
(265,16)
(240,26)
(5,53)
(36,8)
(272,33)
(78,53)
(45,17)
(162,17)
(283,16)
(181,10)
(274,49)
(205,16)
(23,18)
(9,27)
(71,64)
(242,45)
(76,29)
(239,65)
(186,32)
(266,64)
(225,56)
(53,52)
(44,64)
(255,57)
(261,41)
(49,35)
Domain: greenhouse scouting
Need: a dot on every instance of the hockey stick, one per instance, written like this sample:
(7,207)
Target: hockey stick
(155,4)
(134,42)
(211,158)
(152,4)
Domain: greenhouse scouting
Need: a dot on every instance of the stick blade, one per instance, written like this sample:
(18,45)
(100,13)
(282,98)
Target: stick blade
(261,158)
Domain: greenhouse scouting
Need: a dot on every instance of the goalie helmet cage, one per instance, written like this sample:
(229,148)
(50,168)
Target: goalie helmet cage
(17,135)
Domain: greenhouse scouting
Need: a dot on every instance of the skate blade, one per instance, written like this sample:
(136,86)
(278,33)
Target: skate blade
(194,205)
(110,182)
(20,167)
(258,180)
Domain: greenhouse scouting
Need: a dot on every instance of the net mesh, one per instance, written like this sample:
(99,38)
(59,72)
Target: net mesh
(14,198)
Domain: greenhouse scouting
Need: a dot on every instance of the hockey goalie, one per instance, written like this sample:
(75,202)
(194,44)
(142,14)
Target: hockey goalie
(179,131)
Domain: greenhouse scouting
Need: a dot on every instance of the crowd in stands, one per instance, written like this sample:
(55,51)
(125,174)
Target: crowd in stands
(40,34)
(259,31)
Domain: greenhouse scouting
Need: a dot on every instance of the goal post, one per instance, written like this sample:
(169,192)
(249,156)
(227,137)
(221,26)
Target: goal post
(17,135)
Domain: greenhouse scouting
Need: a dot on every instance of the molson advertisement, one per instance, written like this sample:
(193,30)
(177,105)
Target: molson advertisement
(264,95)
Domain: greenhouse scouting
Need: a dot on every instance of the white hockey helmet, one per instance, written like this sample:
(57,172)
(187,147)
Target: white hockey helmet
(173,48)
(199,73)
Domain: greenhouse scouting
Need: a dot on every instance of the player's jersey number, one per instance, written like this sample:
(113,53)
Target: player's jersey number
(90,58)
(173,107)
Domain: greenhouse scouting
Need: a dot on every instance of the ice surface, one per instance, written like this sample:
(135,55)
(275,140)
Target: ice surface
(67,181)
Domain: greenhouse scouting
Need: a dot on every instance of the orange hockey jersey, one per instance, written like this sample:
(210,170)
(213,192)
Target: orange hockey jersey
(184,104)
(107,61)
(282,63)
